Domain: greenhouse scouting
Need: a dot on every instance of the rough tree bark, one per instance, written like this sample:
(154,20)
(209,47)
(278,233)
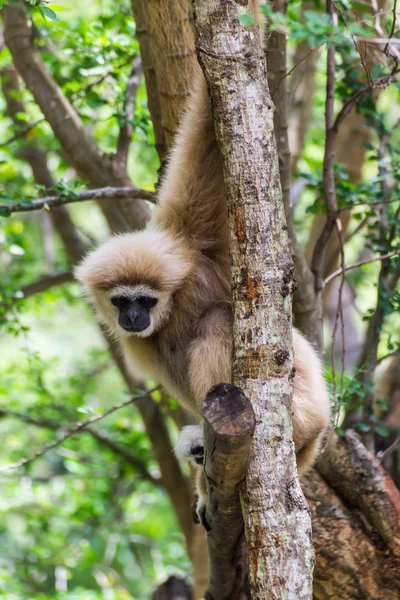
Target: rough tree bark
(276,516)
(153,98)
(171,45)
(229,423)
(352,561)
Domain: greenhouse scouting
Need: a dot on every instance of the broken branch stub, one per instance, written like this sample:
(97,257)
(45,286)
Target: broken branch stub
(229,423)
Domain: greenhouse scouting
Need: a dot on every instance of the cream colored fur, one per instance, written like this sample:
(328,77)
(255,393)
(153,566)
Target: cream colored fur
(182,257)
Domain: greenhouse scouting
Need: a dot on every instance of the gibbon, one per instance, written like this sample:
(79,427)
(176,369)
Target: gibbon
(165,292)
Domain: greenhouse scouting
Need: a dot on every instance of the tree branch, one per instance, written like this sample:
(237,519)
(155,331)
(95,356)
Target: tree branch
(173,57)
(99,436)
(22,132)
(36,157)
(228,433)
(348,106)
(351,469)
(394,11)
(46,282)
(304,300)
(153,98)
(126,129)
(384,453)
(352,560)
(278,531)
(359,264)
(89,161)
(76,429)
(107,193)
(317,263)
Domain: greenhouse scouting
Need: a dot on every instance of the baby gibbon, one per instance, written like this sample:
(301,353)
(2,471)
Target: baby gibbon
(165,292)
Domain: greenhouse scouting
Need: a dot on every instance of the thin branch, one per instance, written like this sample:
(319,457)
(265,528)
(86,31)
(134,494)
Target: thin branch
(348,106)
(384,453)
(370,204)
(360,263)
(360,226)
(330,199)
(106,193)
(99,436)
(76,429)
(126,129)
(22,132)
(339,316)
(389,355)
(386,48)
(46,282)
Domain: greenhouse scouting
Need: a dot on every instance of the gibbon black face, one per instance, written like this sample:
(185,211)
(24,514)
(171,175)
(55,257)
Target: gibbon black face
(134,314)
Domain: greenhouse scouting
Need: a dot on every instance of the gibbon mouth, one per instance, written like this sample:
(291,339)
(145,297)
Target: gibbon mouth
(133,317)
(137,328)
(134,325)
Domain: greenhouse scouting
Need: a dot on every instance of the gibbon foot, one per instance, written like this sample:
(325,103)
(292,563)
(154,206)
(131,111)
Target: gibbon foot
(190,445)
(201,513)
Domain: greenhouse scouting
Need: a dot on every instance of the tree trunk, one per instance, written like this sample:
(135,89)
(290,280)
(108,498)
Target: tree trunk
(352,561)
(277,521)
(171,43)
(305,308)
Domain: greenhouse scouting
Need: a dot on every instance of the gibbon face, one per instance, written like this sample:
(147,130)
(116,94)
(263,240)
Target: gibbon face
(138,310)
(130,280)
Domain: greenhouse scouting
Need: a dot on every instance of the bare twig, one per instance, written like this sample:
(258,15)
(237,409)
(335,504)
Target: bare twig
(22,132)
(370,204)
(76,429)
(98,435)
(384,453)
(389,355)
(106,193)
(317,262)
(339,316)
(386,48)
(359,227)
(126,129)
(360,263)
(348,106)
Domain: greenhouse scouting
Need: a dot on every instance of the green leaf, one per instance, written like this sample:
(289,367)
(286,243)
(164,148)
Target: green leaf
(363,427)
(246,19)
(382,431)
(47,12)
(6,198)
(4,212)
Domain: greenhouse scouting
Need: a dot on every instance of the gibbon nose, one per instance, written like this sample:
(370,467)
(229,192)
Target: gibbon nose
(135,318)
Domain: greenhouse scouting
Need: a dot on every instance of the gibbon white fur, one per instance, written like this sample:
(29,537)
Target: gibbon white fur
(165,292)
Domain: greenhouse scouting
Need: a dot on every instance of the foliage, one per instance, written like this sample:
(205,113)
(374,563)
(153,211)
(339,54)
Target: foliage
(81,522)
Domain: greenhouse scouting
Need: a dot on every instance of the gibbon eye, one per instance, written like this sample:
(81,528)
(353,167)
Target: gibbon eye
(147,301)
(120,301)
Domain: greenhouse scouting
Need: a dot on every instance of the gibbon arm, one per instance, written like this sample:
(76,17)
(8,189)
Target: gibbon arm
(210,354)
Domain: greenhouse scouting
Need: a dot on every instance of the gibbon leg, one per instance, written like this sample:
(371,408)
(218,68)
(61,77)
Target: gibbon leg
(306,456)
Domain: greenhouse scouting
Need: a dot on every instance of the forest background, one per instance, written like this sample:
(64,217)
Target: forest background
(106,513)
